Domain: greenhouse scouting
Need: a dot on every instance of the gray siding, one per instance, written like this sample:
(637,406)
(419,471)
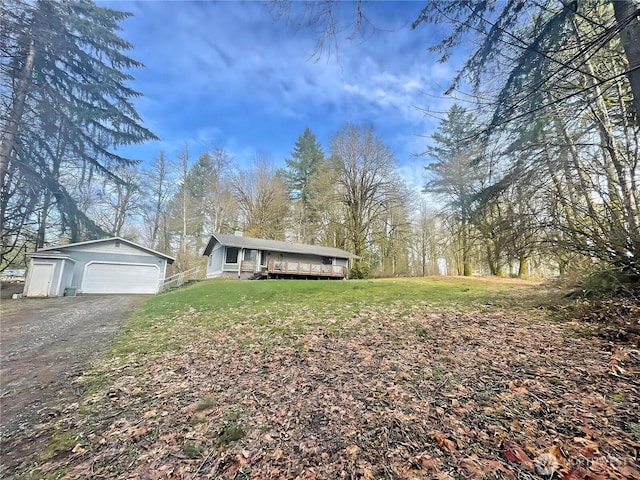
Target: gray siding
(61,276)
(67,276)
(214,265)
(344,262)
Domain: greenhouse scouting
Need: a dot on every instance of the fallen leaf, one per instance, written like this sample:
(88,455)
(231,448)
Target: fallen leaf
(352,449)
(444,442)
(519,390)
(629,472)
(78,449)
(514,454)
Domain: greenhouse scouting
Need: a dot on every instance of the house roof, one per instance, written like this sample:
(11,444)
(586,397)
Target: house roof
(57,248)
(274,246)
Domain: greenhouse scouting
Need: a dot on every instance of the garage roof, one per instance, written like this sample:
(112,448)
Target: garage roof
(58,248)
(274,246)
(53,255)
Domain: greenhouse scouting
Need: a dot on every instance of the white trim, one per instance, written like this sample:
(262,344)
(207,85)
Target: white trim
(27,279)
(84,272)
(59,276)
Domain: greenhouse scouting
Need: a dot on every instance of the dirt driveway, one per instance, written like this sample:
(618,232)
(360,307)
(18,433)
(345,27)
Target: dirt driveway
(44,344)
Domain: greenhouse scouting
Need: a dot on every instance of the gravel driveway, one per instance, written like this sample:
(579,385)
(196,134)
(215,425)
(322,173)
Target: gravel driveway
(44,344)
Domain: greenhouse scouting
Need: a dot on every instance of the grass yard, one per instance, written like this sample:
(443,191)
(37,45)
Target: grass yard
(409,378)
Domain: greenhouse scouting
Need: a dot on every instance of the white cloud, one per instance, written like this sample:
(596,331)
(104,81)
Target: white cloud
(225,73)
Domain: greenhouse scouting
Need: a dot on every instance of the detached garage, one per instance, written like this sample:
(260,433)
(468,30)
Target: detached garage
(112,265)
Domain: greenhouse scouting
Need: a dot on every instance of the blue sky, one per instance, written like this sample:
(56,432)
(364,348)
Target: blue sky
(231,74)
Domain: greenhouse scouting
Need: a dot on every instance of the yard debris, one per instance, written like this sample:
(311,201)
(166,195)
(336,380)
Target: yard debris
(550,462)
(428,394)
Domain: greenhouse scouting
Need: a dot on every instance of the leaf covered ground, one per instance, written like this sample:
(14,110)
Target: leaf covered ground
(387,379)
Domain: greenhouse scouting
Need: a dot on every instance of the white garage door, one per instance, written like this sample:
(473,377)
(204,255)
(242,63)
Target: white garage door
(120,278)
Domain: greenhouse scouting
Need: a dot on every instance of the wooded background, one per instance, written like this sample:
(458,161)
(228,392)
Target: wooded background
(533,172)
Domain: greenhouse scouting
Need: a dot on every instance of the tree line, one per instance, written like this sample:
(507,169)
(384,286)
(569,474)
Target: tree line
(539,158)
(535,173)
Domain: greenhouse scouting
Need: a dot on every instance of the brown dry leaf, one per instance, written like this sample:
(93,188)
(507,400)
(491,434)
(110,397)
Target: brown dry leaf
(589,448)
(370,390)
(138,432)
(577,473)
(78,449)
(231,470)
(444,442)
(518,389)
(352,449)
(428,463)
(496,468)
(471,467)
(514,454)
(629,472)
(580,473)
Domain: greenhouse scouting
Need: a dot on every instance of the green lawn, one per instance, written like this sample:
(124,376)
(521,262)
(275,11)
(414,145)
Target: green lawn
(407,378)
(267,311)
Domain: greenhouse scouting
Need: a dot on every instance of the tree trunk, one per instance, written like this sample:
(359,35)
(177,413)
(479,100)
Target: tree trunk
(42,228)
(14,118)
(627,16)
(523,268)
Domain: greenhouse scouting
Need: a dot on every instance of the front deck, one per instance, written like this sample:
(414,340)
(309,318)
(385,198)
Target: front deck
(287,269)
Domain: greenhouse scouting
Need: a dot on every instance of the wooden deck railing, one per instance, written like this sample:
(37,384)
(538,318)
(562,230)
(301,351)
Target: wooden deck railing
(248,266)
(283,267)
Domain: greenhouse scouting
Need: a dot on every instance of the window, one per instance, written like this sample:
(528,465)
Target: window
(117,243)
(327,261)
(232,255)
(250,255)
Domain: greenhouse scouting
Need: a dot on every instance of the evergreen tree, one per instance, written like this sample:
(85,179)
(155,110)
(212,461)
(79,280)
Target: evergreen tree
(453,177)
(307,155)
(300,176)
(66,104)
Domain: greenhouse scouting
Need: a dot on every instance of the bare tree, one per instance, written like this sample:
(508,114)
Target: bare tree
(157,184)
(368,185)
(119,201)
(218,203)
(262,199)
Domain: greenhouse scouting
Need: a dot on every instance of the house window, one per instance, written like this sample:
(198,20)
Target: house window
(250,255)
(232,255)
(117,243)
(327,261)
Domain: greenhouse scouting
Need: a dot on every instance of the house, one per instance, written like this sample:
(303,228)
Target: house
(111,265)
(244,257)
